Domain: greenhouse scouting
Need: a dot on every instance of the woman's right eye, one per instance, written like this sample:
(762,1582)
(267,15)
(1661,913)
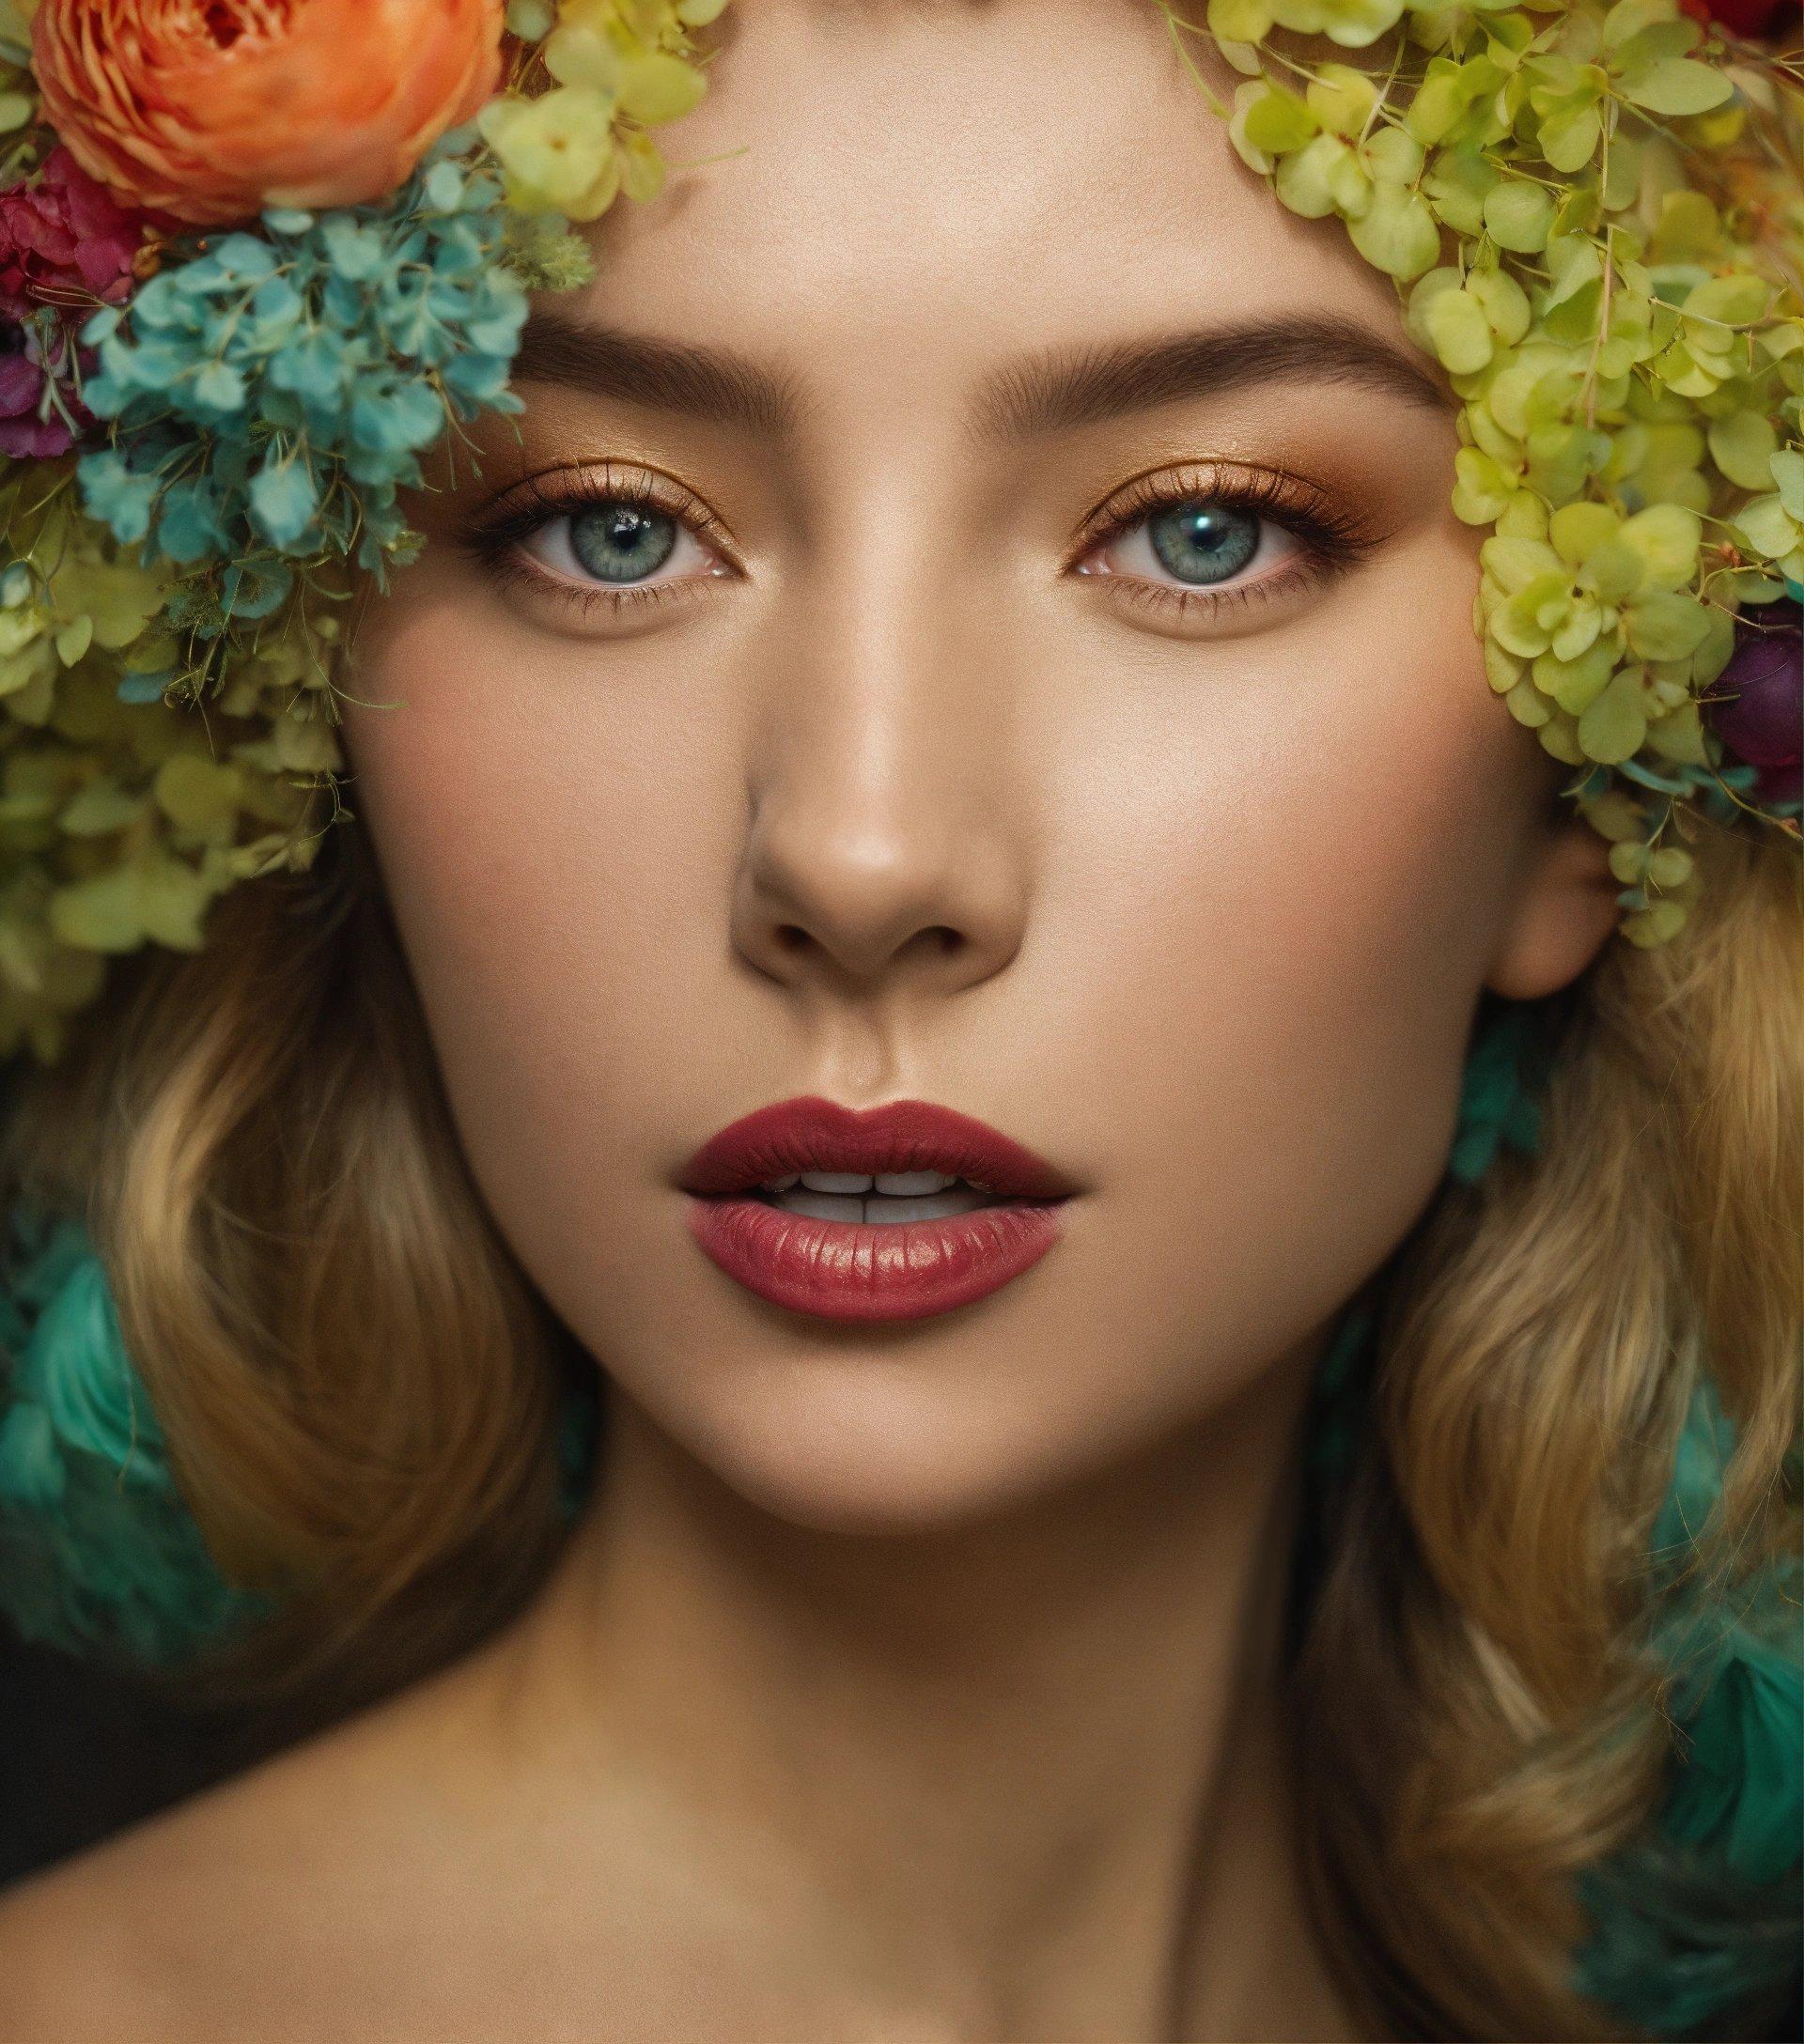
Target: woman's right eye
(617,544)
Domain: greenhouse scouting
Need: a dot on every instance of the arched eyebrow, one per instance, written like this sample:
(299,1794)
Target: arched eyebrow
(1065,388)
(1050,392)
(665,375)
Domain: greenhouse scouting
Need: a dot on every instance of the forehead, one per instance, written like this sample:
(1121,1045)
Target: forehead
(939,177)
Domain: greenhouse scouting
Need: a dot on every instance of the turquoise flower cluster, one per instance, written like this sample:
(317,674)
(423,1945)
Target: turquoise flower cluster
(273,395)
(96,1547)
(1705,1913)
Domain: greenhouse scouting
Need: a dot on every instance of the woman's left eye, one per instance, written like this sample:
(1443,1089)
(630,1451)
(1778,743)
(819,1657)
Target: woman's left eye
(1194,543)
(617,544)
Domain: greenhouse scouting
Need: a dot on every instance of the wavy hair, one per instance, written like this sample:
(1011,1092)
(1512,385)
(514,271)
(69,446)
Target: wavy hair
(359,1387)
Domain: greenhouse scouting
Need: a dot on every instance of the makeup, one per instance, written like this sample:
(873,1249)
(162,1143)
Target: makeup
(894,1213)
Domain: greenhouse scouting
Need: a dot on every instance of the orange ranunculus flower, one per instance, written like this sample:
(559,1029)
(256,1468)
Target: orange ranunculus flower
(210,110)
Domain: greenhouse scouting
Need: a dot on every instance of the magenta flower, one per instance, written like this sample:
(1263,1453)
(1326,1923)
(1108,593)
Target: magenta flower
(63,241)
(41,415)
(1757,701)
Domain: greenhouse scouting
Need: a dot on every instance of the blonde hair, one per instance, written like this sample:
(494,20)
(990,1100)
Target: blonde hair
(359,1387)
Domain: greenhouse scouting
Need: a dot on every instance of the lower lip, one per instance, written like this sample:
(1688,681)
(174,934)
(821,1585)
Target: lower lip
(867,1270)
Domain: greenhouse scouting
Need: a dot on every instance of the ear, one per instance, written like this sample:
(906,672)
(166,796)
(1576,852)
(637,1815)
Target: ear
(1564,913)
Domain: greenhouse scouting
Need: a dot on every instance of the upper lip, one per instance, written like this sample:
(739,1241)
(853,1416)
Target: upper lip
(813,1134)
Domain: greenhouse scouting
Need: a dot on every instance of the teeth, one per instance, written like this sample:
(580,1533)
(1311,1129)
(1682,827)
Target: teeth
(880,1209)
(909,1184)
(937,1206)
(844,1182)
(824,1206)
(850,1184)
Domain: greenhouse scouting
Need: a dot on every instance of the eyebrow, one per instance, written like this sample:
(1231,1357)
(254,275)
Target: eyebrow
(667,376)
(1055,392)
(1066,388)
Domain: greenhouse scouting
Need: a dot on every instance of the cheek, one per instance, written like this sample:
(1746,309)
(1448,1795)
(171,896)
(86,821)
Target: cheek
(548,851)
(1286,873)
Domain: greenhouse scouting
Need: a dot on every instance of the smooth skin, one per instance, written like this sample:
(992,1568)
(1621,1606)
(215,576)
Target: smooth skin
(912,1681)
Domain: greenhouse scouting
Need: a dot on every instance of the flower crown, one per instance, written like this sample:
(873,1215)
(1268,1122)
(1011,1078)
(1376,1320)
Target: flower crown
(227,340)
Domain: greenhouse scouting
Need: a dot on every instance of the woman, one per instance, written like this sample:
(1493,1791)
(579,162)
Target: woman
(960,674)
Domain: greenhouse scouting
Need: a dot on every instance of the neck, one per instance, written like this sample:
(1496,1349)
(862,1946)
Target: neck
(1031,1767)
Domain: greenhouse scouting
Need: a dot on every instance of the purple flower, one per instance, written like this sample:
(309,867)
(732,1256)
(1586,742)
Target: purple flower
(1757,702)
(63,241)
(41,415)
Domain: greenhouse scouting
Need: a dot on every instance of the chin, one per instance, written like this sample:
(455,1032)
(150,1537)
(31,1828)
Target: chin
(873,1448)
(872,1458)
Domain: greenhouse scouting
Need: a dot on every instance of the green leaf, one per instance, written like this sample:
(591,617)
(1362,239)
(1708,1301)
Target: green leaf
(1767,528)
(1742,445)
(1518,216)
(1304,180)
(1459,331)
(657,87)
(197,794)
(1577,531)
(1736,300)
(1666,537)
(1665,625)
(1341,98)
(1397,233)
(74,639)
(1277,121)
(1239,21)
(1506,304)
(1569,141)
(101,913)
(1615,725)
(1787,471)
(1575,684)
(1678,84)
(101,807)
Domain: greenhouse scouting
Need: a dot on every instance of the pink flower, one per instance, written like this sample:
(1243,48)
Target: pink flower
(64,240)
(210,110)
(40,415)
(1739,17)
(1757,701)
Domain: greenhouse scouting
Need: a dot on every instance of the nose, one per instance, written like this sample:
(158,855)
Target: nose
(879,852)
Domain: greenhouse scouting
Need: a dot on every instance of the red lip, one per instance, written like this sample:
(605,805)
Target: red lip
(867,1271)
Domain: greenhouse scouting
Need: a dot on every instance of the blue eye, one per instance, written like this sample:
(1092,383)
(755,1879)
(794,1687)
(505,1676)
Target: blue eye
(1178,543)
(618,544)
(621,542)
(1204,542)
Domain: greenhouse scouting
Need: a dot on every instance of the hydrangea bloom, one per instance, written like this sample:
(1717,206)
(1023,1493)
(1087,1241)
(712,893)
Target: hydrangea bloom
(272,395)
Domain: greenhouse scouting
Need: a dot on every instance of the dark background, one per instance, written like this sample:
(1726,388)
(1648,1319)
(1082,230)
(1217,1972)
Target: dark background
(83,1755)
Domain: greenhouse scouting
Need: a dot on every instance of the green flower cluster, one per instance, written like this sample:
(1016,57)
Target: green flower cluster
(574,130)
(1594,231)
(171,599)
(122,818)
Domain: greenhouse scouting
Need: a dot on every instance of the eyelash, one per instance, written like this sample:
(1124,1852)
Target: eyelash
(496,538)
(1331,542)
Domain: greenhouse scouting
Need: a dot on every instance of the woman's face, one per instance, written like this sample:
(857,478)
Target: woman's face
(1024,664)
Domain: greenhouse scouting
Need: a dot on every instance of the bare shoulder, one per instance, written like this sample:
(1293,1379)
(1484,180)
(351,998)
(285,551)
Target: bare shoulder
(235,1916)
(93,1947)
